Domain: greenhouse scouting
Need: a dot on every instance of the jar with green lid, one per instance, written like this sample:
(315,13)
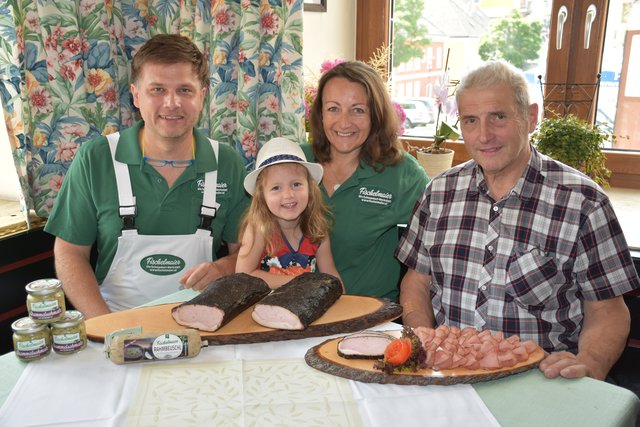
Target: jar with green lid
(68,334)
(45,300)
(31,340)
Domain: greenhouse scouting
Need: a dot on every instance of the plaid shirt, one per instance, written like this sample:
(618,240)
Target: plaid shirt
(524,264)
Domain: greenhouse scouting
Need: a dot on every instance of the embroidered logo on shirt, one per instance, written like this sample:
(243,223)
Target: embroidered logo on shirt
(162,264)
(221,187)
(374,196)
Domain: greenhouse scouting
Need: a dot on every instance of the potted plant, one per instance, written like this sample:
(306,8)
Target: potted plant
(435,158)
(575,143)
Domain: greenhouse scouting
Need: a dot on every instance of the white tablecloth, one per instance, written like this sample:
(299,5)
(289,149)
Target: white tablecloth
(87,390)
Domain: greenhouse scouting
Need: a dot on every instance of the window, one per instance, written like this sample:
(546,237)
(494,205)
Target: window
(619,97)
(564,66)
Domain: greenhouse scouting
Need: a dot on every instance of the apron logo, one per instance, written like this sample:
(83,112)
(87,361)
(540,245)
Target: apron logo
(162,264)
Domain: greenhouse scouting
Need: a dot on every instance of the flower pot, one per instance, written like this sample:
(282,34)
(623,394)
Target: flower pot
(433,164)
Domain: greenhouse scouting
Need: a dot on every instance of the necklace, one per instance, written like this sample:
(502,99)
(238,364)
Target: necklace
(159,163)
(339,178)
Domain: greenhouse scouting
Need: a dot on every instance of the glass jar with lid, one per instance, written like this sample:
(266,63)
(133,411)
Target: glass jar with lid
(69,335)
(45,300)
(31,340)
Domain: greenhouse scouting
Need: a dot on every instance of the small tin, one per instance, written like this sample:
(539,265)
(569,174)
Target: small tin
(45,300)
(31,340)
(69,335)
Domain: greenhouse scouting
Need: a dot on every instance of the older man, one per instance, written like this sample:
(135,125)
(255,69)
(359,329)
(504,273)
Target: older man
(514,241)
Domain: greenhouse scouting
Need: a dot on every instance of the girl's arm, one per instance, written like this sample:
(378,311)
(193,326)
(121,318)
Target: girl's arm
(324,260)
(252,245)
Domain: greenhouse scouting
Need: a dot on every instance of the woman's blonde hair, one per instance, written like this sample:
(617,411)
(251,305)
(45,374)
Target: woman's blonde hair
(315,220)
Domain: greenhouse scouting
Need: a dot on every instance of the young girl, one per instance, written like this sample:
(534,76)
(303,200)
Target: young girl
(285,231)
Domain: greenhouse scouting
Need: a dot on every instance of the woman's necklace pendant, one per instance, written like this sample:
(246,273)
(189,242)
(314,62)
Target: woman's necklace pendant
(335,187)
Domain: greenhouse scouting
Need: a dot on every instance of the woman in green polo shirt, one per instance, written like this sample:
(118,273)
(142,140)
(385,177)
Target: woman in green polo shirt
(370,183)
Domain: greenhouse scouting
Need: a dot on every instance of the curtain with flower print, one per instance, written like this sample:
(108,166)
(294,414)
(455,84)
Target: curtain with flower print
(64,75)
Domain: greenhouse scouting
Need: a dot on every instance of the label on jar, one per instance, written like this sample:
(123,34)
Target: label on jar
(163,347)
(44,310)
(67,343)
(31,349)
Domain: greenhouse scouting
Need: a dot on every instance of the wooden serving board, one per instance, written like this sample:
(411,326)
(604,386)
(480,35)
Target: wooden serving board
(325,358)
(349,314)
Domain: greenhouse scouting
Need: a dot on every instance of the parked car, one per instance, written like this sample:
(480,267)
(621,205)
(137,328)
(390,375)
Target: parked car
(417,111)
(431,106)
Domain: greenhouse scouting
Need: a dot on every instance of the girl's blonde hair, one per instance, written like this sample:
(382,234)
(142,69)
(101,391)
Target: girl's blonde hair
(315,220)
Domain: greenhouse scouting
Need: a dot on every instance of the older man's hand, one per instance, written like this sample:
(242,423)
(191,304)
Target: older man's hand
(569,365)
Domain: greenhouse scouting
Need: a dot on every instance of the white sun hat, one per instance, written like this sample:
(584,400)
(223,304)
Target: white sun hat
(280,150)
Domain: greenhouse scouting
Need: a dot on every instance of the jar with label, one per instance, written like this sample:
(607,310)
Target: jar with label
(69,335)
(45,300)
(31,340)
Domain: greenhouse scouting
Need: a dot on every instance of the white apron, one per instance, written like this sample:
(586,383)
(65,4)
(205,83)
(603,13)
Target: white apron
(147,267)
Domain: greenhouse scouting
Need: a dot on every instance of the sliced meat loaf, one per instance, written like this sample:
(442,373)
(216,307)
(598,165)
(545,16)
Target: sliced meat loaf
(296,304)
(223,300)
(364,345)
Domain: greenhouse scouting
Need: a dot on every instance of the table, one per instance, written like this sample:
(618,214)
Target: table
(526,399)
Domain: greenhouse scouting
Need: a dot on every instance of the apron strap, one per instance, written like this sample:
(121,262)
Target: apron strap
(126,199)
(209,206)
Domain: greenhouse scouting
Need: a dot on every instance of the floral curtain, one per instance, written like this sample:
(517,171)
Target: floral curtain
(64,75)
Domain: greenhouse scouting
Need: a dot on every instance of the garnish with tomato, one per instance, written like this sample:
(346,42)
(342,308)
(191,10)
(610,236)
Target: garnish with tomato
(398,351)
(403,354)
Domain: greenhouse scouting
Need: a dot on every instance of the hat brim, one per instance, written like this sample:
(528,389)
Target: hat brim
(315,170)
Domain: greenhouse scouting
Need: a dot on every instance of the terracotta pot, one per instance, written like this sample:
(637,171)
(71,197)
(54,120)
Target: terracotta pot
(433,164)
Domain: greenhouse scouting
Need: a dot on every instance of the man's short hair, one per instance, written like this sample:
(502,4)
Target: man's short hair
(171,49)
(494,73)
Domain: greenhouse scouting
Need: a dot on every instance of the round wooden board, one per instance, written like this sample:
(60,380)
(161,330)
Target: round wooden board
(325,358)
(349,314)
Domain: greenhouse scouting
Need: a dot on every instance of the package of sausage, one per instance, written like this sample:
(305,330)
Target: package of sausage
(133,346)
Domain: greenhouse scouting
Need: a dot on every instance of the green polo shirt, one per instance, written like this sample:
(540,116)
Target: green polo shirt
(86,210)
(367,209)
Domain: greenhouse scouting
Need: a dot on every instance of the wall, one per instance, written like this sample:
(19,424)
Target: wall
(329,35)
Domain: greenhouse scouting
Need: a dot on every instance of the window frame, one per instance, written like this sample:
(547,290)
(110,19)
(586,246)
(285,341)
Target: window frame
(373,30)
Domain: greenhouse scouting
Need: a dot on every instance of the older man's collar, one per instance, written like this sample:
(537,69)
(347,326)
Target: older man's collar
(525,188)
(527,185)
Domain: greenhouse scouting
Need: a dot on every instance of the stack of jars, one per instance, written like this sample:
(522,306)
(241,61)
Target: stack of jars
(49,324)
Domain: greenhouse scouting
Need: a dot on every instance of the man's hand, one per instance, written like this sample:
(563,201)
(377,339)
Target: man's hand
(202,275)
(605,328)
(568,365)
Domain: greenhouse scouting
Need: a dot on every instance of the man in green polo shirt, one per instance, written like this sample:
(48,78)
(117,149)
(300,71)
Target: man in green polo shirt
(159,199)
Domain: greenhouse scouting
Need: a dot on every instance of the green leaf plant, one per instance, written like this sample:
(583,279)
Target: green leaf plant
(575,143)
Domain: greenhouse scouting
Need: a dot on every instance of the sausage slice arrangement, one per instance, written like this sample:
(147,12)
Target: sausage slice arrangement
(451,347)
